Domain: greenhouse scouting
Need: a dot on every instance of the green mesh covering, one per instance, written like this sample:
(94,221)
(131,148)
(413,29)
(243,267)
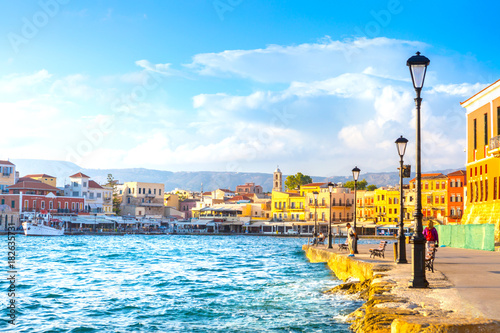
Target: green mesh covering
(469,236)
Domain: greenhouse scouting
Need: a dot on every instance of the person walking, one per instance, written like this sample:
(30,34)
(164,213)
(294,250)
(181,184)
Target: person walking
(431,235)
(351,238)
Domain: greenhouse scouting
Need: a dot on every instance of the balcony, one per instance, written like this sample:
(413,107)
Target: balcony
(149,195)
(494,147)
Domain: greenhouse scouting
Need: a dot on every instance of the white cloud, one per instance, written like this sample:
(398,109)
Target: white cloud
(310,61)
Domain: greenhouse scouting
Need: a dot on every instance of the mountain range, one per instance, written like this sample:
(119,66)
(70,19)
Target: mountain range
(192,181)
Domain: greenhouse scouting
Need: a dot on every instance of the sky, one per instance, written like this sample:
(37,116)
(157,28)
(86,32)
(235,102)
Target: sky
(316,87)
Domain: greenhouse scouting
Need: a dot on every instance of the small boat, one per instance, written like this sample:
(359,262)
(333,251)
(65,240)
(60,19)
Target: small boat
(36,224)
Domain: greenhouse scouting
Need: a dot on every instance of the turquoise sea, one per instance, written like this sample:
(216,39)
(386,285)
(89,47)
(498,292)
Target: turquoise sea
(171,283)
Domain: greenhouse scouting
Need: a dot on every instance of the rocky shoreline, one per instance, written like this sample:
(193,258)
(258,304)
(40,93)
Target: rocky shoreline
(393,307)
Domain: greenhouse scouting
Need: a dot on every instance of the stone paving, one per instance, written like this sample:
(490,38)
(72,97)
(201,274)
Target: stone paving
(465,281)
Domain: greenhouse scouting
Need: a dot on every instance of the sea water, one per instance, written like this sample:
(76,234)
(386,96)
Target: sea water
(172,283)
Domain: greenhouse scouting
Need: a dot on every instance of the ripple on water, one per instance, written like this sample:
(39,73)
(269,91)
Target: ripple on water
(175,284)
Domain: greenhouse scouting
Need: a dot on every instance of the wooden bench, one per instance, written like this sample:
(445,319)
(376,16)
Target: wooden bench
(380,251)
(430,256)
(344,246)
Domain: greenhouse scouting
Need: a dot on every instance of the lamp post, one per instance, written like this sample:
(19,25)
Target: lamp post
(330,188)
(355,175)
(315,215)
(401,144)
(418,67)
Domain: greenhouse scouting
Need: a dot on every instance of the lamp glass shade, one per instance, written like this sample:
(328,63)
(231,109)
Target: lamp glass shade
(355,173)
(330,187)
(401,144)
(418,67)
(315,195)
(418,75)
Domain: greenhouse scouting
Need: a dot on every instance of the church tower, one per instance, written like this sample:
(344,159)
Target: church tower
(277,180)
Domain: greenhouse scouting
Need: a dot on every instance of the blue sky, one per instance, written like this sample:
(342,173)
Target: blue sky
(238,85)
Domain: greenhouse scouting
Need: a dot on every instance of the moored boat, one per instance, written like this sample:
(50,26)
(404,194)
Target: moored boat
(42,225)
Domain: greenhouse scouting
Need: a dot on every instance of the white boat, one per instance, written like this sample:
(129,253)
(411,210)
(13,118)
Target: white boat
(41,225)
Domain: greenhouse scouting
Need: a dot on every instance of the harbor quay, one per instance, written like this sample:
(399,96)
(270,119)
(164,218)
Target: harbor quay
(463,292)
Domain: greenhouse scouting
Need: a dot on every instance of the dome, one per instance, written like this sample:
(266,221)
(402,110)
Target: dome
(278,169)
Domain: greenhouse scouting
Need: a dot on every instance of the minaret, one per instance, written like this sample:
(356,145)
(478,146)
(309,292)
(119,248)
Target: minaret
(277,180)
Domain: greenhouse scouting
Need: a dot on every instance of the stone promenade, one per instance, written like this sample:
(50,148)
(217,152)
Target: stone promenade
(463,290)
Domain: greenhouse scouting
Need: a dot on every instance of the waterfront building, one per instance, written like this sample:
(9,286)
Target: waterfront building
(434,196)
(277,180)
(249,188)
(387,205)
(172,200)
(46,179)
(141,199)
(223,194)
(49,202)
(78,187)
(287,206)
(456,195)
(8,175)
(483,157)
(186,207)
(99,199)
(365,206)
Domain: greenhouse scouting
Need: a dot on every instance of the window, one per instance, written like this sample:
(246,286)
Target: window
(486,190)
(84,184)
(442,199)
(42,205)
(436,199)
(437,185)
(34,204)
(498,120)
(429,199)
(443,185)
(3,201)
(66,205)
(159,192)
(482,190)
(395,210)
(475,134)
(323,202)
(13,204)
(323,216)
(494,188)
(485,129)
(452,198)
(426,185)
(98,195)
(390,210)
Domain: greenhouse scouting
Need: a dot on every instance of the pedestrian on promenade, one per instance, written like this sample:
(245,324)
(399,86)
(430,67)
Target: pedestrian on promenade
(431,235)
(351,238)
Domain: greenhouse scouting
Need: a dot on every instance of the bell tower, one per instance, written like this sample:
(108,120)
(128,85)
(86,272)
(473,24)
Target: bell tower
(277,180)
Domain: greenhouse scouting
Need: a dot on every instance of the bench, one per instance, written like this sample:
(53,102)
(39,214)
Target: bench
(380,251)
(344,246)
(430,256)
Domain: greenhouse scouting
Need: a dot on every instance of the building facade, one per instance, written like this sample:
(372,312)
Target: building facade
(7,175)
(46,179)
(141,199)
(249,188)
(483,157)
(456,196)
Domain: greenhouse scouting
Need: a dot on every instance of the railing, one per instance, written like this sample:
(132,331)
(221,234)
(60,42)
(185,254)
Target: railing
(494,143)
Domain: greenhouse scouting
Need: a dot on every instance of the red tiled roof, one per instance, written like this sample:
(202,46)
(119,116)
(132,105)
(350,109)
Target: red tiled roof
(457,173)
(32,185)
(79,175)
(27,179)
(430,175)
(314,184)
(240,197)
(6,162)
(93,184)
(226,190)
(43,175)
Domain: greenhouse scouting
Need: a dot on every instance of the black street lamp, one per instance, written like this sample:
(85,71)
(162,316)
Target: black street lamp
(330,188)
(315,215)
(355,175)
(401,144)
(418,68)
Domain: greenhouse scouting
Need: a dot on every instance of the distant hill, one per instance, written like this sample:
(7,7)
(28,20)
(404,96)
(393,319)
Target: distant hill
(185,180)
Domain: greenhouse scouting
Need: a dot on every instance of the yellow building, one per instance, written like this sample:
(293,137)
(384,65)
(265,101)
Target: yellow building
(483,158)
(365,207)
(46,179)
(171,200)
(387,205)
(287,206)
